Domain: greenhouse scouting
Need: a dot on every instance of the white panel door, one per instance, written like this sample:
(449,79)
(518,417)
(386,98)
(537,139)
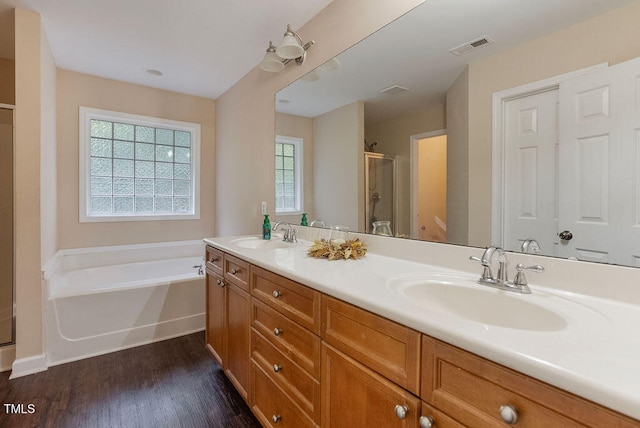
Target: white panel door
(598,161)
(530,168)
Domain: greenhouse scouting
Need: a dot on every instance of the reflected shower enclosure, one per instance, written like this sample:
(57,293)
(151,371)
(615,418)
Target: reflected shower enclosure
(380,190)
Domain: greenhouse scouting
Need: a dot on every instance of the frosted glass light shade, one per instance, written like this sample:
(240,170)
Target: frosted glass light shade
(271,62)
(290,47)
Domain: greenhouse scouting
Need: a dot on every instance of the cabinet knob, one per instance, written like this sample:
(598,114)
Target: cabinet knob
(277,368)
(402,410)
(221,283)
(213,259)
(276,293)
(234,271)
(509,414)
(277,331)
(427,422)
(276,418)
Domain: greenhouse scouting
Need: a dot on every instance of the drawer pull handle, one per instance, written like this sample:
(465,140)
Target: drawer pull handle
(276,418)
(509,414)
(221,283)
(234,271)
(277,331)
(427,422)
(276,293)
(402,410)
(277,368)
(213,259)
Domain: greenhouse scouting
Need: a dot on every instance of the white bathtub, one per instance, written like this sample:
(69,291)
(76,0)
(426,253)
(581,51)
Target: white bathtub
(106,299)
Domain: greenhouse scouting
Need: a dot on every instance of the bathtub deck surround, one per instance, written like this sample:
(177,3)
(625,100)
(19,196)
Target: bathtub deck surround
(105,299)
(589,319)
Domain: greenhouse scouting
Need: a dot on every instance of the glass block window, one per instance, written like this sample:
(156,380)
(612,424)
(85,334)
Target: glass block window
(288,154)
(137,168)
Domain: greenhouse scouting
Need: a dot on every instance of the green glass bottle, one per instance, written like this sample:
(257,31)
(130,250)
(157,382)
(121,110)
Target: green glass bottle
(266,228)
(304,222)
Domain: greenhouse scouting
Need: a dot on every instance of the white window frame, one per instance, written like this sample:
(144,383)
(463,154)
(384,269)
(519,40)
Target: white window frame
(298,160)
(86,114)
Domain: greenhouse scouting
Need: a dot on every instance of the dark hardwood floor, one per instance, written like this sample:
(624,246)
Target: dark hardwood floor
(174,383)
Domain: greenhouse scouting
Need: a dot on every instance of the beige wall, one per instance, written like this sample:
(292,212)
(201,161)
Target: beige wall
(7,81)
(613,37)
(245,113)
(300,127)
(75,90)
(393,138)
(338,165)
(29,336)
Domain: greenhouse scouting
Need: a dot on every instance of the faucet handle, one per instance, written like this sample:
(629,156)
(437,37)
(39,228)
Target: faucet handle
(520,278)
(486,272)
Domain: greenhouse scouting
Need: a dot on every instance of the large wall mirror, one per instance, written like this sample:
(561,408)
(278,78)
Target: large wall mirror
(480,123)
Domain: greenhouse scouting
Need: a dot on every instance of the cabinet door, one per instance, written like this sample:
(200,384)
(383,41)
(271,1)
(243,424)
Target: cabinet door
(238,362)
(355,396)
(216,316)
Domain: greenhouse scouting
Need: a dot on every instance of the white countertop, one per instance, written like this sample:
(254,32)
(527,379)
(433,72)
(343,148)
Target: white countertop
(594,352)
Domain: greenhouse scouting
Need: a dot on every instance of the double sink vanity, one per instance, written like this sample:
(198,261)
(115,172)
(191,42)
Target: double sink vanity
(406,337)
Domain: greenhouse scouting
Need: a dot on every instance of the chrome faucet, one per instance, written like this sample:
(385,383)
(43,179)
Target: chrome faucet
(318,223)
(519,283)
(530,246)
(289,234)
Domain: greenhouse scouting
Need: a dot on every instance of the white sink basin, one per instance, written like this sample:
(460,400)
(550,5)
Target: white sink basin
(257,243)
(461,296)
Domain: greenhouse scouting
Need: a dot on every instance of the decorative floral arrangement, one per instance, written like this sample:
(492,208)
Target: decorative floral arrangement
(337,250)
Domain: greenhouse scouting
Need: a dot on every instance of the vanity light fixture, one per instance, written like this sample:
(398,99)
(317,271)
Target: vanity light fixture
(291,49)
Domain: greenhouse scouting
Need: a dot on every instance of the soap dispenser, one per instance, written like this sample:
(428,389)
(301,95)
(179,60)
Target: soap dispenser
(266,228)
(304,222)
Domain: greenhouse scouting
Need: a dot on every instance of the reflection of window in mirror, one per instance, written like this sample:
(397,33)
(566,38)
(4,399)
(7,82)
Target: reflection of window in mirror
(289,175)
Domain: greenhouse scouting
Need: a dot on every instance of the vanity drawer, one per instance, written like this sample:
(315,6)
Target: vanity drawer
(389,348)
(214,259)
(271,405)
(297,343)
(440,420)
(298,302)
(471,390)
(236,271)
(301,387)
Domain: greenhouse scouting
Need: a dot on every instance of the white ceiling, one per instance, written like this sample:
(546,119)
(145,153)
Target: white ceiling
(413,51)
(121,39)
(186,40)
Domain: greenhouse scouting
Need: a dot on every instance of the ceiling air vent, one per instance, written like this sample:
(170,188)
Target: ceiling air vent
(393,90)
(469,46)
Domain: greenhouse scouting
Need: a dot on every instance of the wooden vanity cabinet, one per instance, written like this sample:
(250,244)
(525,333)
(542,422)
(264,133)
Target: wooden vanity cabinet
(370,369)
(304,359)
(472,390)
(228,316)
(214,260)
(285,351)
(216,324)
(386,347)
(355,396)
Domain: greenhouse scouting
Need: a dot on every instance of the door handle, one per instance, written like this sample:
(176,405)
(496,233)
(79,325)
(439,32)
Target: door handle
(565,235)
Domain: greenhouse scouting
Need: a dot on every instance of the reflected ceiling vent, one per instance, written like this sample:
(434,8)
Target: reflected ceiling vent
(469,46)
(393,90)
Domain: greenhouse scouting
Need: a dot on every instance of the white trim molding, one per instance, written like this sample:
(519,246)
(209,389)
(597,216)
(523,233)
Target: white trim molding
(29,365)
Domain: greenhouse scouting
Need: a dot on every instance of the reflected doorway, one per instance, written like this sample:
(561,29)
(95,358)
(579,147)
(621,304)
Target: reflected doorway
(6,225)
(429,186)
